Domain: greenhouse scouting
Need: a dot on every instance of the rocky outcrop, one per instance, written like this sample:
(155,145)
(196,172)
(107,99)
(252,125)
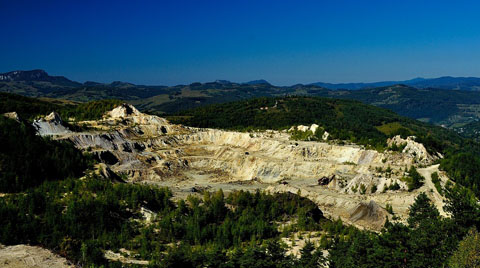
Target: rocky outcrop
(270,160)
(12,115)
(325,136)
(51,125)
(412,148)
(350,209)
(369,214)
(105,171)
(122,111)
(313,128)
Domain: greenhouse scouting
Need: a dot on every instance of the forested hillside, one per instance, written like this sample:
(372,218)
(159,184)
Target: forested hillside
(29,108)
(343,119)
(80,219)
(26,159)
(437,106)
(438,101)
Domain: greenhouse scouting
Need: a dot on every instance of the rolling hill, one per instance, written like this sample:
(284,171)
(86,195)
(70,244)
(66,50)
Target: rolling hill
(438,106)
(453,103)
(445,82)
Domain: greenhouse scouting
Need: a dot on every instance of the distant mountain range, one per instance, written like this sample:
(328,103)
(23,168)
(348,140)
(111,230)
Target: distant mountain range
(449,101)
(258,82)
(446,82)
(36,76)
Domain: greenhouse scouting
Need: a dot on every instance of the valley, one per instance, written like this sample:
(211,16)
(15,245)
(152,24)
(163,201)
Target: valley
(148,149)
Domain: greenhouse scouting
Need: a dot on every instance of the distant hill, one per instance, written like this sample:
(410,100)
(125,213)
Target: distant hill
(449,101)
(357,86)
(36,76)
(470,130)
(38,83)
(258,82)
(446,82)
(438,106)
(343,119)
(29,108)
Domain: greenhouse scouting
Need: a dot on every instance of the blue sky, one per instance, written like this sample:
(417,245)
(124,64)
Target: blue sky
(284,42)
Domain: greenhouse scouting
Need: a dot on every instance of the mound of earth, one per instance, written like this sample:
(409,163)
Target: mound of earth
(370,212)
(23,256)
(123,110)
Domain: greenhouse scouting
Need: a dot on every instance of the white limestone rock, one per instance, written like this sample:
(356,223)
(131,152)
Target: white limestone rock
(51,125)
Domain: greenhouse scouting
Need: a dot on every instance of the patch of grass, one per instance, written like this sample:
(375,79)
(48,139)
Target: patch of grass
(436,182)
(394,128)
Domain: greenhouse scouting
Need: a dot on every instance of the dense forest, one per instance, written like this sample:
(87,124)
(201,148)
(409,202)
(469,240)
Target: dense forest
(80,219)
(26,159)
(29,108)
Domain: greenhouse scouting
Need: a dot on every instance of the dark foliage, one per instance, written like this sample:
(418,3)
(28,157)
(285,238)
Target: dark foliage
(427,241)
(26,160)
(29,108)
(463,168)
(91,110)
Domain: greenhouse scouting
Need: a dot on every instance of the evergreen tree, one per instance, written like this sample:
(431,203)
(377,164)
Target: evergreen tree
(467,254)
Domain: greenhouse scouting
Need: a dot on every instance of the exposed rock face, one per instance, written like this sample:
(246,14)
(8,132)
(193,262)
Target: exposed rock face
(106,157)
(313,128)
(105,171)
(369,213)
(149,149)
(54,117)
(12,115)
(51,125)
(412,148)
(23,256)
(350,209)
(123,110)
(302,128)
(271,160)
(325,136)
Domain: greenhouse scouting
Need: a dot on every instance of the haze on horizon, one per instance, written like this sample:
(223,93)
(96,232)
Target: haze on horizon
(283,42)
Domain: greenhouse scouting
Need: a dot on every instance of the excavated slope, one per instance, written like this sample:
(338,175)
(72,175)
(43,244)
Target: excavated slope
(149,149)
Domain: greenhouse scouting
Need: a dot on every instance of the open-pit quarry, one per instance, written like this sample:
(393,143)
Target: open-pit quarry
(141,148)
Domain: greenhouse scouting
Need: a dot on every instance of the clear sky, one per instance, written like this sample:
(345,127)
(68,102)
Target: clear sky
(284,42)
